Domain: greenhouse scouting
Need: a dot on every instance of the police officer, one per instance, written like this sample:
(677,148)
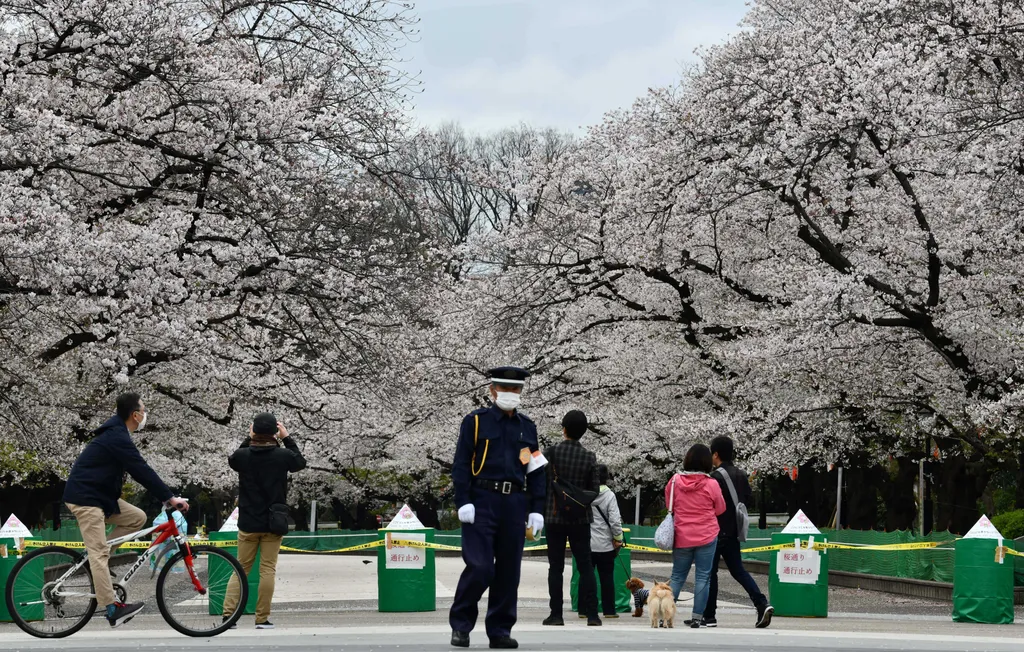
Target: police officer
(494,494)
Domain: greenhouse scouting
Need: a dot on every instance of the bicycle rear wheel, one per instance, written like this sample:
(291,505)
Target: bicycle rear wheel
(200,612)
(42,607)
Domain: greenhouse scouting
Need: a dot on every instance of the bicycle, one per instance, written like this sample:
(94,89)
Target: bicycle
(50,591)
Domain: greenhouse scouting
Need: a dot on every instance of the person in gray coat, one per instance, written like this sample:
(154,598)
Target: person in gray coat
(606,539)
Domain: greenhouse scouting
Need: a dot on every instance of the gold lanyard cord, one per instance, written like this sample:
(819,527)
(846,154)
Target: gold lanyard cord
(487,444)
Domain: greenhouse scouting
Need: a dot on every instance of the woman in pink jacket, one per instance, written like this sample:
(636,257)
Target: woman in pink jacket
(695,500)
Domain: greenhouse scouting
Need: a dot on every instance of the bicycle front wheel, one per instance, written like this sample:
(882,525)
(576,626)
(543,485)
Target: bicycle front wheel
(47,596)
(206,598)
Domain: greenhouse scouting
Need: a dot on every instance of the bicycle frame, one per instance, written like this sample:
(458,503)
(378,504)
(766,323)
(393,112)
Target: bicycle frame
(168,531)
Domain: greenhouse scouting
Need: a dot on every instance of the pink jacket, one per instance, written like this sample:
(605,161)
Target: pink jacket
(698,502)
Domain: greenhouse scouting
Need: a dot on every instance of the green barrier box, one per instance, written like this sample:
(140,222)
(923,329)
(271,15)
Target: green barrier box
(982,587)
(623,571)
(220,572)
(406,577)
(31,578)
(797,583)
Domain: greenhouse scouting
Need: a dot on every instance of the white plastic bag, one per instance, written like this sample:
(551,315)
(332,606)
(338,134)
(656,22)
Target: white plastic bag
(665,535)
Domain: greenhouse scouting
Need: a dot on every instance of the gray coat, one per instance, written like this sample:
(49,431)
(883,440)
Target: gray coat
(600,534)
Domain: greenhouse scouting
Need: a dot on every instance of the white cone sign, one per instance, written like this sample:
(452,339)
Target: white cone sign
(14,529)
(800,524)
(231,525)
(983,529)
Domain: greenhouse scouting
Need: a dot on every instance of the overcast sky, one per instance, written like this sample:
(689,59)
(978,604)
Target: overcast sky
(559,63)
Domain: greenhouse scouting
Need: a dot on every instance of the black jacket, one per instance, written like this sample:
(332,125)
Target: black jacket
(263,480)
(576,465)
(727,519)
(97,478)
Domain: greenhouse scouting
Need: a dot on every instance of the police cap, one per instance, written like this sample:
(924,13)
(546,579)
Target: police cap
(508,376)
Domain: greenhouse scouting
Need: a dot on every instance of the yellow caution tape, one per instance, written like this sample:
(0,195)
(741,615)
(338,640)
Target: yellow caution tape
(1008,551)
(362,546)
(409,543)
(772,548)
(131,545)
(633,546)
(921,545)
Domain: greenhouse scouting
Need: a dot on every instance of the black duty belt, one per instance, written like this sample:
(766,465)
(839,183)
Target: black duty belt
(498,487)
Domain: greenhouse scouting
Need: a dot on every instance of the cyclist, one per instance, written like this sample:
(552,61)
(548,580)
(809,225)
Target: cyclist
(93,494)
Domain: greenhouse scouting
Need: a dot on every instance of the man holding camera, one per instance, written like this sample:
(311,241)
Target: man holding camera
(263,468)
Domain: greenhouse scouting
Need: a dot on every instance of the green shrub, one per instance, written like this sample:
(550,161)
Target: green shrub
(1010,524)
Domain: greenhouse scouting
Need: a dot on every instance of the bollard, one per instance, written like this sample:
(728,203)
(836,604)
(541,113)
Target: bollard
(34,570)
(623,571)
(798,579)
(219,572)
(406,576)
(982,579)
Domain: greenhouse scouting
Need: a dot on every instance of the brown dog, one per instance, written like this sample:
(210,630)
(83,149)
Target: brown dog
(636,587)
(662,604)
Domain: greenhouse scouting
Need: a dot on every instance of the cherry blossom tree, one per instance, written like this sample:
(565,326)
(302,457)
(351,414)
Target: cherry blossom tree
(192,205)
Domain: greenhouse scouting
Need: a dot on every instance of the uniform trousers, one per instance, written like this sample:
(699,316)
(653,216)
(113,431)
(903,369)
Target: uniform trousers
(492,547)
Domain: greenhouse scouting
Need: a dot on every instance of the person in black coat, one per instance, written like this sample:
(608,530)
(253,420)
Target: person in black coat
(722,453)
(569,461)
(263,469)
(93,494)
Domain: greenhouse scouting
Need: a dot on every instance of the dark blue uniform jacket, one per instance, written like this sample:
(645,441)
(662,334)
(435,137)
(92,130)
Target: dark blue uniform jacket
(502,437)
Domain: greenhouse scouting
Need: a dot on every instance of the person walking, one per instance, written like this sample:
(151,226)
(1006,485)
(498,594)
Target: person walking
(696,502)
(263,469)
(606,539)
(571,466)
(93,494)
(499,493)
(728,548)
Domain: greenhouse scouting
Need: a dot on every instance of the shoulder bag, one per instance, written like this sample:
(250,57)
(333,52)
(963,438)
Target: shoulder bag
(742,518)
(571,502)
(665,535)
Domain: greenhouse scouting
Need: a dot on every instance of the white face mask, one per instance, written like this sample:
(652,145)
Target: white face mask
(507,400)
(142,424)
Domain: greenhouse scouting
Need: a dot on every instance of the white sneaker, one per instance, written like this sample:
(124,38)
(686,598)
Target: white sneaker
(266,625)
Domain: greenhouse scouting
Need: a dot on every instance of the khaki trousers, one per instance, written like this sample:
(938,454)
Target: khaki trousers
(93,525)
(268,545)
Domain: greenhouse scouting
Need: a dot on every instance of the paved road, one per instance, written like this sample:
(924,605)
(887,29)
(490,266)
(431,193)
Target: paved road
(569,639)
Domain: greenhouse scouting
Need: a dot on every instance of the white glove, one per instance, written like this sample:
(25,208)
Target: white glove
(535,522)
(467,513)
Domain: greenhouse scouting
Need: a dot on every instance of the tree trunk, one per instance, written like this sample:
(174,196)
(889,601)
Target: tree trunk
(860,504)
(961,482)
(898,490)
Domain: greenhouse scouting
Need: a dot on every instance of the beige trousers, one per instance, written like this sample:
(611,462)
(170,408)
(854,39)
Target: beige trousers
(268,545)
(93,525)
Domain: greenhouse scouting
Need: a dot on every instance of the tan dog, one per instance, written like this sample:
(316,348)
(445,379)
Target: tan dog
(635,587)
(663,606)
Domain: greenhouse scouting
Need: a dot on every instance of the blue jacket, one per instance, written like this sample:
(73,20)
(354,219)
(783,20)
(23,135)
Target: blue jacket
(97,477)
(496,455)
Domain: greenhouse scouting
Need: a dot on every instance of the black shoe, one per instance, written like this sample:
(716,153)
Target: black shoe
(460,639)
(554,621)
(265,625)
(711,622)
(611,615)
(582,616)
(124,612)
(594,622)
(764,615)
(504,643)
(225,619)
(695,624)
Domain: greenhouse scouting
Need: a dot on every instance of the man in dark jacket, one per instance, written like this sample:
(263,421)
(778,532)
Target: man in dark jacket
(722,454)
(568,461)
(263,469)
(93,494)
